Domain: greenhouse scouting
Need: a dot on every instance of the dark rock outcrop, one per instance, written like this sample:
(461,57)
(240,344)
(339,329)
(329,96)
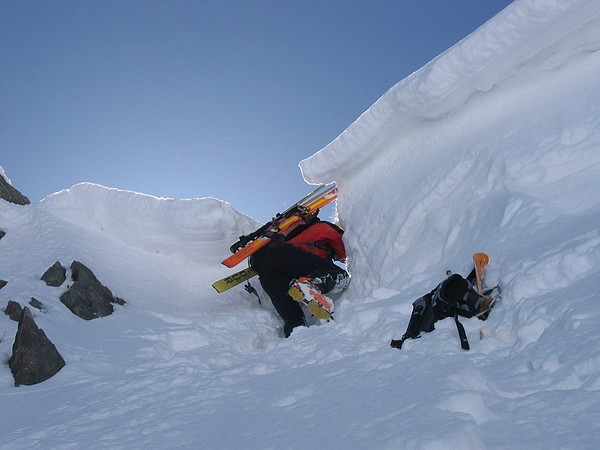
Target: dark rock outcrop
(34,358)
(55,275)
(87,297)
(3,283)
(10,194)
(13,310)
(2,234)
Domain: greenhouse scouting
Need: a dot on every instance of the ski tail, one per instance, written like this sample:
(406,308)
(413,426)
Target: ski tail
(233,280)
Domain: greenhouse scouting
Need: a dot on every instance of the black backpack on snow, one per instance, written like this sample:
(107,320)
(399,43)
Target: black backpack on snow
(453,297)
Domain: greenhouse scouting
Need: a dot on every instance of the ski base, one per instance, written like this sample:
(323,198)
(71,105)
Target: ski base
(233,280)
(309,296)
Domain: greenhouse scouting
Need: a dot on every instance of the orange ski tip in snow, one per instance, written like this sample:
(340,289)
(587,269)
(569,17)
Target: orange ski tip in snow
(481,259)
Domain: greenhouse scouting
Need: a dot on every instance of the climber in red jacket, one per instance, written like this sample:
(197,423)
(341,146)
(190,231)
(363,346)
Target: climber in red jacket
(307,250)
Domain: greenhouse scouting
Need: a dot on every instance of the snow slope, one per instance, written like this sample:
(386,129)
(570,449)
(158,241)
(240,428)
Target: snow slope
(494,146)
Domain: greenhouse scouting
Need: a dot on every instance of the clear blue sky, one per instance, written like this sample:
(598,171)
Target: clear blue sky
(187,99)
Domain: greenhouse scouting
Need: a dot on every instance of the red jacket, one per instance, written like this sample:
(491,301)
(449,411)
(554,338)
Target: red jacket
(322,239)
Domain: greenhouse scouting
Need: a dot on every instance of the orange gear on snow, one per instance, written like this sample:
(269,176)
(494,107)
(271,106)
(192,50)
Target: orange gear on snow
(480,260)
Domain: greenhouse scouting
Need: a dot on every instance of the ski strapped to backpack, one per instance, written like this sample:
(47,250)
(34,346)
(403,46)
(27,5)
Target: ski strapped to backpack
(233,280)
(251,243)
(453,297)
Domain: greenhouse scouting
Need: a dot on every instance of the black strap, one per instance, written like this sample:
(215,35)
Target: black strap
(415,324)
(252,290)
(462,334)
(397,343)
(464,342)
(472,277)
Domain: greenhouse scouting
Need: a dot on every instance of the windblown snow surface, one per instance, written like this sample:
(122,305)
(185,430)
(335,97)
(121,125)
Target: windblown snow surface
(493,146)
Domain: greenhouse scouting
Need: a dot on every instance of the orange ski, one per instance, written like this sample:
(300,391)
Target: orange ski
(285,223)
(480,260)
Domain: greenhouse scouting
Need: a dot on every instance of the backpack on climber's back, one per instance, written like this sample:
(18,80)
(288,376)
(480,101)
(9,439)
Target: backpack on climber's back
(453,297)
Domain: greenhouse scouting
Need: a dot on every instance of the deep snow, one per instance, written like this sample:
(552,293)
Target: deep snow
(494,146)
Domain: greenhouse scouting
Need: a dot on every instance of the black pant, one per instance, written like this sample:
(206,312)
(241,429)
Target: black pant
(278,267)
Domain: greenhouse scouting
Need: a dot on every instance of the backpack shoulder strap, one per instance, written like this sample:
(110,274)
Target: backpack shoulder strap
(462,334)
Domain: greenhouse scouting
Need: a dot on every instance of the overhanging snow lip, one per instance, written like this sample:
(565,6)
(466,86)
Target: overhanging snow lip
(476,63)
